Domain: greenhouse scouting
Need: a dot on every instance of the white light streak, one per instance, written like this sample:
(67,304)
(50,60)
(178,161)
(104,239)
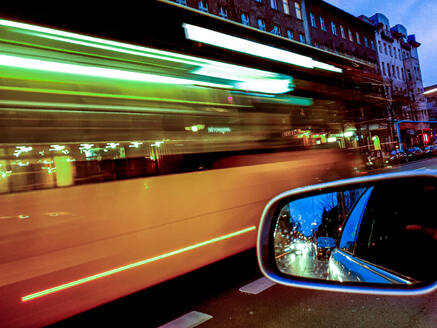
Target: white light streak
(200,34)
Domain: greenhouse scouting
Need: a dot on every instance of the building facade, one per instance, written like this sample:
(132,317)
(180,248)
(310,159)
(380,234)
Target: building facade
(337,31)
(430,94)
(398,63)
(312,22)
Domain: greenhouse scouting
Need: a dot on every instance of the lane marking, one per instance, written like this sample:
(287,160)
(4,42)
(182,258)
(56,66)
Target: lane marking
(132,265)
(189,320)
(257,286)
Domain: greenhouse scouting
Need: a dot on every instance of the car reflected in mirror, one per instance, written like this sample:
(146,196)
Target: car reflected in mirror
(367,232)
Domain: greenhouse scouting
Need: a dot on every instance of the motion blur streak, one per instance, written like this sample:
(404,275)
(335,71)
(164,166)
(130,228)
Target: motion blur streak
(132,265)
(218,39)
(95,71)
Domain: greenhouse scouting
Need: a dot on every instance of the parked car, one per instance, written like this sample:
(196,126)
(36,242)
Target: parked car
(415,153)
(325,245)
(430,150)
(397,156)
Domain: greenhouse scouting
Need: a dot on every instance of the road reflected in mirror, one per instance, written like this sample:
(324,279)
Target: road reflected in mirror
(384,233)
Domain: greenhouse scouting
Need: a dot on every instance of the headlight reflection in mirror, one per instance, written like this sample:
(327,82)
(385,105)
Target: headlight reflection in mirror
(383,233)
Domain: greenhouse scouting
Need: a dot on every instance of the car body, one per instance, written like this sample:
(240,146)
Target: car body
(430,150)
(406,270)
(415,153)
(397,157)
(325,245)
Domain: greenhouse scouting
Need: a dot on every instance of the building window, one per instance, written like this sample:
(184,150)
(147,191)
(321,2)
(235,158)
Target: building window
(298,10)
(202,5)
(372,44)
(261,24)
(290,34)
(260,1)
(276,30)
(389,51)
(316,44)
(301,37)
(393,70)
(343,35)
(313,20)
(351,38)
(366,42)
(380,46)
(223,12)
(322,24)
(385,48)
(182,2)
(383,68)
(245,19)
(395,52)
(273,4)
(399,53)
(358,38)
(397,71)
(286,7)
(388,70)
(333,28)
(403,75)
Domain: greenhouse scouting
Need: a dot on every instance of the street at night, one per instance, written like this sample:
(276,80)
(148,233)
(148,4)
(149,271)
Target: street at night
(193,162)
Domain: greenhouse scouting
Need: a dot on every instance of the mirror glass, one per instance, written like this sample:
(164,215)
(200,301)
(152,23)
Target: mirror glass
(381,233)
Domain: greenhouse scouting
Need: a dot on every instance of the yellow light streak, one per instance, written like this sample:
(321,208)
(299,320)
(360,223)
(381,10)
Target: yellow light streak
(132,265)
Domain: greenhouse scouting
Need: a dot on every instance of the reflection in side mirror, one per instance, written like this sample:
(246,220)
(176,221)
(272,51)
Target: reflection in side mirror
(383,232)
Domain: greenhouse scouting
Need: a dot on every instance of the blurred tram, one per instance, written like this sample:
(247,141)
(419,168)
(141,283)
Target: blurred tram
(127,163)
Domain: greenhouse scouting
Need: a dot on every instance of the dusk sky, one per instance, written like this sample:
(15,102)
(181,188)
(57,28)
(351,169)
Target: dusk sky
(418,16)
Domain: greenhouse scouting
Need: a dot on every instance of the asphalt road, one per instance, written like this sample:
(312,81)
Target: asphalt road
(232,293)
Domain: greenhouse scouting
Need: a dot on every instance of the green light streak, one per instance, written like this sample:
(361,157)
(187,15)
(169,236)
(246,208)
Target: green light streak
(74,69)
(130,49)
(112,96)
(244,78)
(132,265)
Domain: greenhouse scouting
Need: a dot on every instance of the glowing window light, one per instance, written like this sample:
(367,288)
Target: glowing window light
(21,149)
(58,67)
(86,146)
(56,148)
(132,265)
(64,171)
(135,144)
(195,128)
(348,134)
(200,34)
(332,139)
(157,144)
(22,164)
(112,145)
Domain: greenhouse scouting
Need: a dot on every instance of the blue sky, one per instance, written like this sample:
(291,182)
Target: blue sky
(418,16)
(309,210)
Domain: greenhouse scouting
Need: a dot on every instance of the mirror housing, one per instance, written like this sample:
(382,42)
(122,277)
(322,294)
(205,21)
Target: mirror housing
(273,212)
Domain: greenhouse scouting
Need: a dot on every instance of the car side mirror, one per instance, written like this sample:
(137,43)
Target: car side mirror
(375,234)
